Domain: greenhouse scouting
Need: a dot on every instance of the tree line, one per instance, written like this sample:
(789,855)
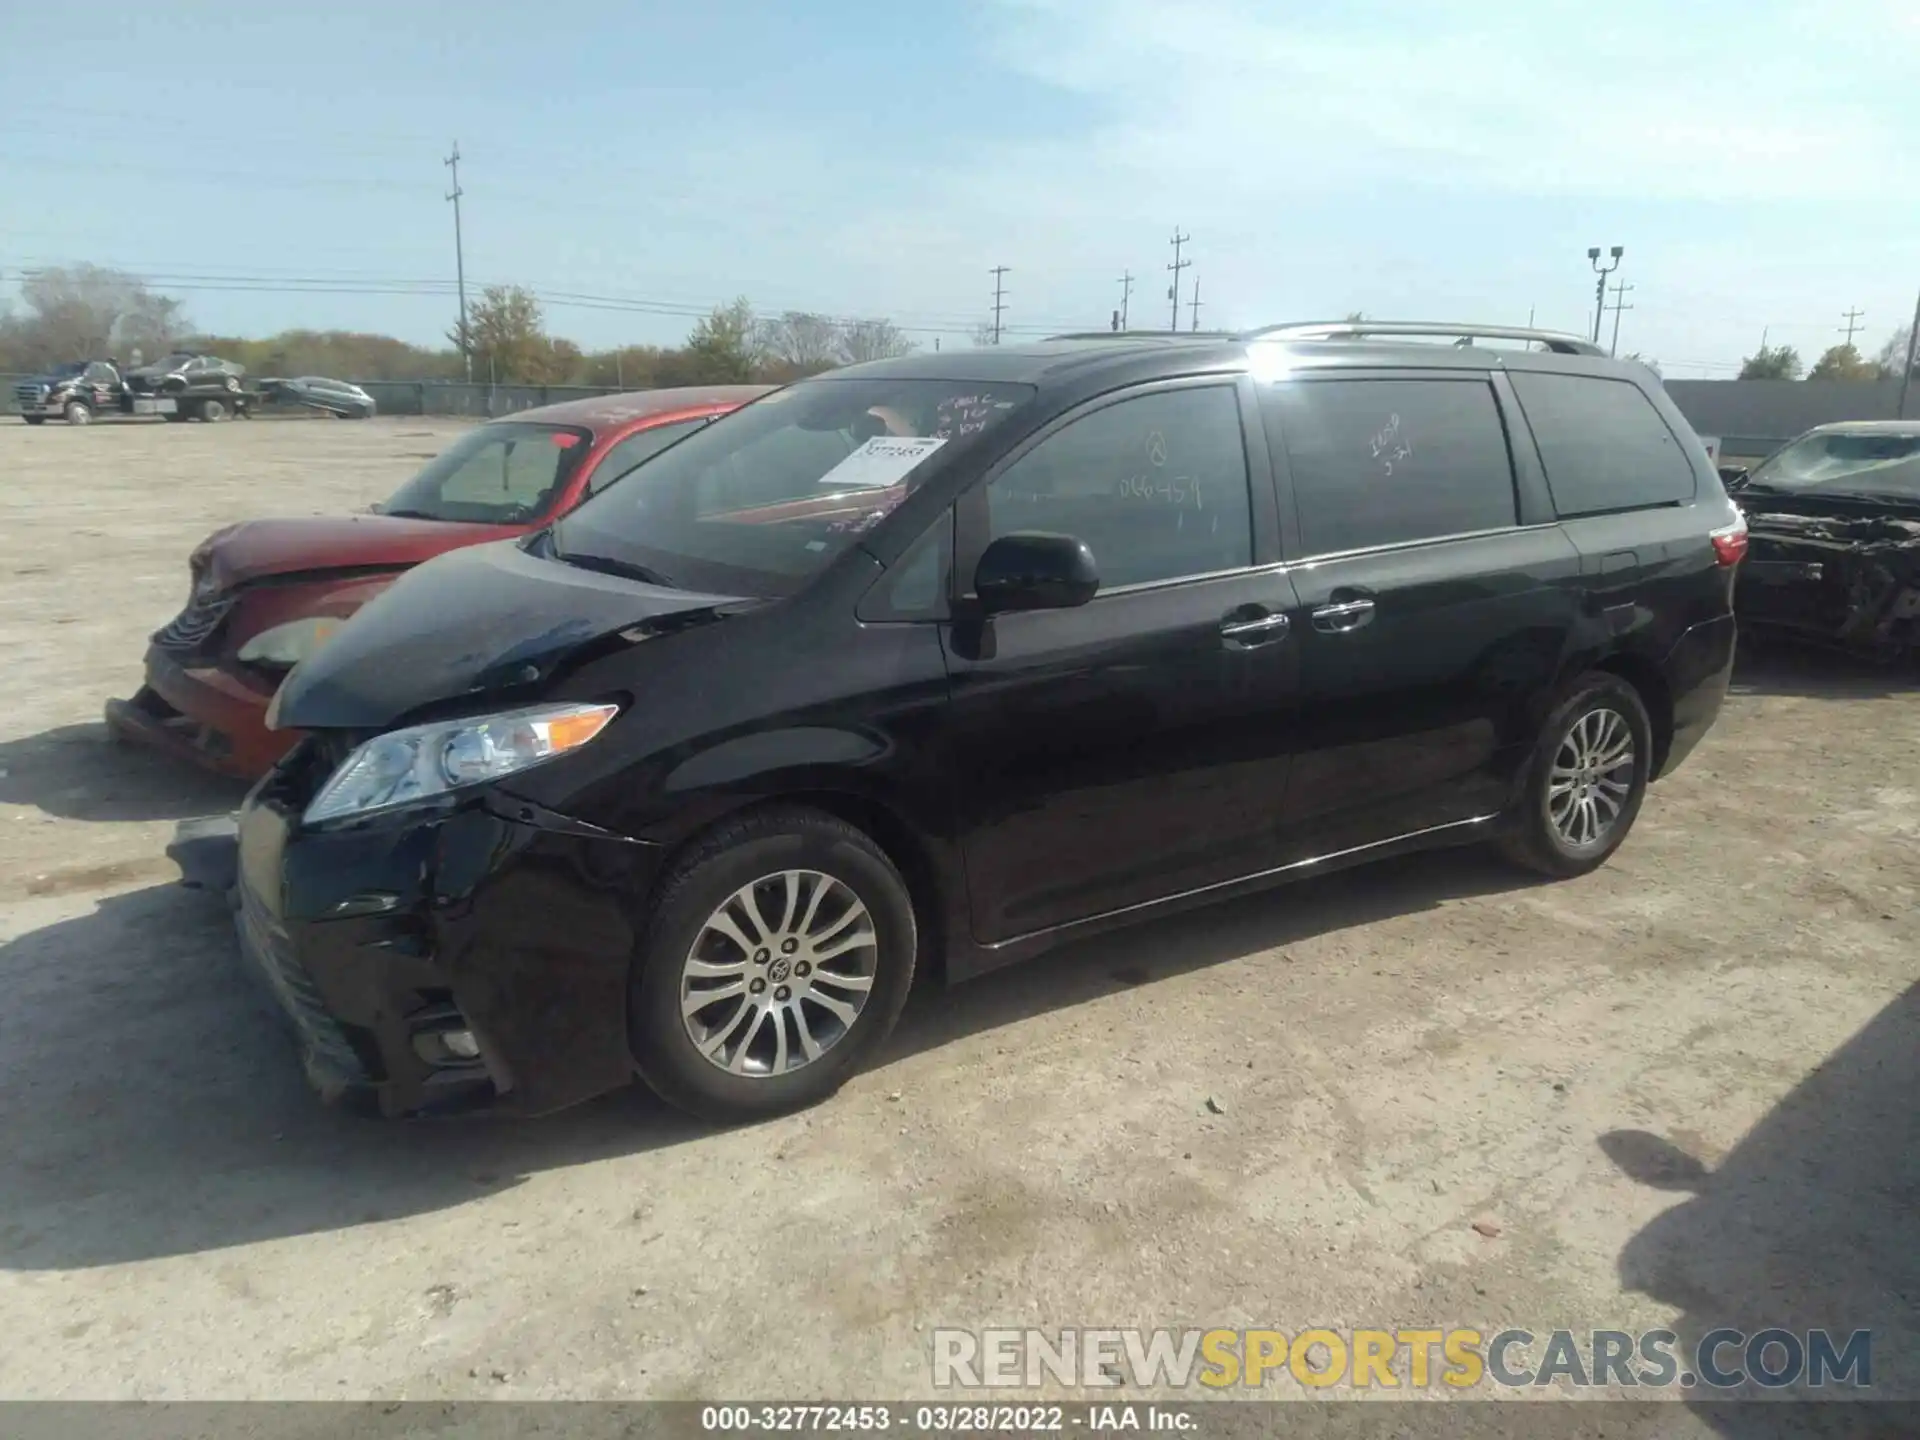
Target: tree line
(88,312)
(1838,362)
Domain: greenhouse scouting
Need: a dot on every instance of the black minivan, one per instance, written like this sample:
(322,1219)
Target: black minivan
(937,662)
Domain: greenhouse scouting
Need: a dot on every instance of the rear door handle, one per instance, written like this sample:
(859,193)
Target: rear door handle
(1244,629)
(1346,615)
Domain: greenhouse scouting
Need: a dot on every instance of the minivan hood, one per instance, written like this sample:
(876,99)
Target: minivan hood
(487,618)
(257,549)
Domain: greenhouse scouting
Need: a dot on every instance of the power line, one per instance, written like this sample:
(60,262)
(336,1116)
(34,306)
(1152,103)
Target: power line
(556,298)
(999,302)
(1173,290)
(1852,317)
(1619,303)
(452,162)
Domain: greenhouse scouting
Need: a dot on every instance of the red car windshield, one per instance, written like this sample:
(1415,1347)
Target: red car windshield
(504,473)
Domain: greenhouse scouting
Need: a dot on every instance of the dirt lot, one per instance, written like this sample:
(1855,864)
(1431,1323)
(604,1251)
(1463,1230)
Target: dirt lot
(1393,1054)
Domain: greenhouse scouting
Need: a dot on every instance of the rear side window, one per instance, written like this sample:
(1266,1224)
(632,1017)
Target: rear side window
(1383,462)
(1604,445)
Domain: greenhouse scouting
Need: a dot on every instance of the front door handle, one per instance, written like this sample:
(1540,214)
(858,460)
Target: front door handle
(1245,628)
(1346,615)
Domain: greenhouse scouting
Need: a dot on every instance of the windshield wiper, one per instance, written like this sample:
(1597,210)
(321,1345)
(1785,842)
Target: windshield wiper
(410,515)
(607,565)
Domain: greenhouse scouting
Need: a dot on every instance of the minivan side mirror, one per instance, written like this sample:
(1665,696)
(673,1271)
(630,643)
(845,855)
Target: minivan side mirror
(1033,571)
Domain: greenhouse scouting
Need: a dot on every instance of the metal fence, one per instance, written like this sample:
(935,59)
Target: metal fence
(1751,417)
(424,397)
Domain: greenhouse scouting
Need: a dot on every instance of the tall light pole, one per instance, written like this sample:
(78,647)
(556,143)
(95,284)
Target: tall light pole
(1600,289)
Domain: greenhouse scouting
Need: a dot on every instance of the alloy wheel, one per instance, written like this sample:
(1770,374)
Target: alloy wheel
(779,973)
(1591,778)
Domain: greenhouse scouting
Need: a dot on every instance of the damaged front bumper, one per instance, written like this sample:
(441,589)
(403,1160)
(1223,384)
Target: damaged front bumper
(205,715)
(429,962)
(1850,582)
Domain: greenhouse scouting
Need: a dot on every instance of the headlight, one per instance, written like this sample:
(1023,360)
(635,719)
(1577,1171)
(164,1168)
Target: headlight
(285,646)
(418,763)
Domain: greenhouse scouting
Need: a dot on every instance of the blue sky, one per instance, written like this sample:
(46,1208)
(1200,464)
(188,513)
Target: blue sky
(1442,160)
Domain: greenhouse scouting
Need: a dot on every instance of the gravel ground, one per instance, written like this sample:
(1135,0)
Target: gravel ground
(1676,1092)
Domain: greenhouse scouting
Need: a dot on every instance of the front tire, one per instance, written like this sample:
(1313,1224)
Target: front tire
(1587,778)
(78,412)
(34,419)
(779,956)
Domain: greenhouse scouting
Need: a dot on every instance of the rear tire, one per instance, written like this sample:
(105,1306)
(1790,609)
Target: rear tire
(1587,778)
(758,1037)
(213,411)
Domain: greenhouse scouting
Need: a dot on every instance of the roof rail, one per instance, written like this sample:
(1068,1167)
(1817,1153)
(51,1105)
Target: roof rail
(1557,341)
(1147,335)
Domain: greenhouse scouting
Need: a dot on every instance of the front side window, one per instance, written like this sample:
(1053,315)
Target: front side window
(1603,444)
(504,473)
(761,501)
(1156,486)
(1385,462)
(637,448)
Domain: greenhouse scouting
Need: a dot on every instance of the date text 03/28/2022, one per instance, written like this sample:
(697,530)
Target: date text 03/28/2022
(945,1419)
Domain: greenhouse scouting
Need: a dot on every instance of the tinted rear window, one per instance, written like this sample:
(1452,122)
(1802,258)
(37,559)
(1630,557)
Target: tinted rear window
(1380,462)
(1604,445)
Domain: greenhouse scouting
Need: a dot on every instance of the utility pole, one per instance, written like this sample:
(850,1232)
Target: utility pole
(1193,305)
(452,163)
(1913,356)
(1852,317)
(1600,290)
(999,301)
(1173,290)
(1620,293)
(1126,294)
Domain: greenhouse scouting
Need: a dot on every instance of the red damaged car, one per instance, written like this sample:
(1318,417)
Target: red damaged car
(266,593)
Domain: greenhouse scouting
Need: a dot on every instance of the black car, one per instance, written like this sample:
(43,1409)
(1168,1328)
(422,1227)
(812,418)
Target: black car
(936,663)
(187,386)
(1835,516)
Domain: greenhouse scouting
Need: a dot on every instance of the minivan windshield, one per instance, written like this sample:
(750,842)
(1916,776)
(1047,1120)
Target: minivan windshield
(506,472)
(765,499)
(1868,462)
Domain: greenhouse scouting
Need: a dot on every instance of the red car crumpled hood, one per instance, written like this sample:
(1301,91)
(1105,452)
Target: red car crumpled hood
(256,549)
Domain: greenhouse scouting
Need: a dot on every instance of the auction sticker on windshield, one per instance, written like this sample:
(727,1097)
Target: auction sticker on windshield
(881,462)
